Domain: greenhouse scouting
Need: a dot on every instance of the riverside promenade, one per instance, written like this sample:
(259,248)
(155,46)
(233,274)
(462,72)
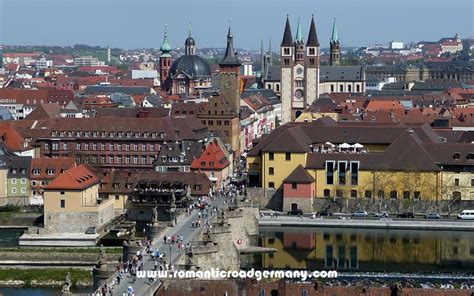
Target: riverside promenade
(383,223)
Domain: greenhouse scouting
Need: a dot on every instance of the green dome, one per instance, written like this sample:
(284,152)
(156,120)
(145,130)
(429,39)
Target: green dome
(165,47)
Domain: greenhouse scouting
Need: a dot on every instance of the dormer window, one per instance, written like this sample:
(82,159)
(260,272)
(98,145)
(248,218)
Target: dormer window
(36,172)
(50,172)
(162,135)
(457,155)
(54,133)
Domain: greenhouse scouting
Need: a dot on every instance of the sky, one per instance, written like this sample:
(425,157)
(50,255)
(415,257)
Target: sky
(140,23)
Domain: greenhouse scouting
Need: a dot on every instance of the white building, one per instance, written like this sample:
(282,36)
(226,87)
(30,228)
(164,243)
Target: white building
(43,64)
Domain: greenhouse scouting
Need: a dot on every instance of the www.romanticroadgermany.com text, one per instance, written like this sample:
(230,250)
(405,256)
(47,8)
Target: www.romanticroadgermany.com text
(234,274)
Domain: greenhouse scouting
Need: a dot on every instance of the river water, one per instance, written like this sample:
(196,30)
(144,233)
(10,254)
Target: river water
(364,250)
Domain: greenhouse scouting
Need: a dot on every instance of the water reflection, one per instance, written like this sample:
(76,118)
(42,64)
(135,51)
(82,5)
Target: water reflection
(10,237)
(368,250)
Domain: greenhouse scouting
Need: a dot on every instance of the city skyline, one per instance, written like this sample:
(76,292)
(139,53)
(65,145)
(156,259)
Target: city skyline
(116,23)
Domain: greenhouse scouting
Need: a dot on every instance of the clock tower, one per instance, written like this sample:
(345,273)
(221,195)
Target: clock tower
(229,73)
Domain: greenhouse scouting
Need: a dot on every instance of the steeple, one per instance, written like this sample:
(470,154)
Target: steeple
(270,51)
(287,37)
(230,58)
(334,37)
(262,58)
(299,35)
(165,47)
(313,36)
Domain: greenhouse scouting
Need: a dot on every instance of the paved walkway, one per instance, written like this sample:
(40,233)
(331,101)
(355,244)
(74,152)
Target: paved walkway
(141,286)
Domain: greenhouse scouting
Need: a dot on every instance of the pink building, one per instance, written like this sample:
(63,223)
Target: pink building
(298,191)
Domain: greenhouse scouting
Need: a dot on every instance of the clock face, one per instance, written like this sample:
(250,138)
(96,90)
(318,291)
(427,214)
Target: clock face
(299,93)
(299,71)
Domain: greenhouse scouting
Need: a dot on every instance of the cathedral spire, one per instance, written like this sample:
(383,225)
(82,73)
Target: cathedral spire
(313,36)
(334,37)
(299,35)
(287,37)
(230,58)
(270,51)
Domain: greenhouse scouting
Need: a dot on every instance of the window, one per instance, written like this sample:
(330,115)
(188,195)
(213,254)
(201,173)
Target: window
(368,194)
(393,194)
(271,156)
(341,88)
(78,146)
(353,193)
(94,146)
(406,194)
(472,182)
(135,159)
(13,180)
(36,172)
(226,122)
(102,146)
(288,156)
(271,171)
(219,122)
(13,190)
(144,147)
(311,51)
(263,292)
(332,87)
(86,146)
(117,197)
(457,155)
(456,195)
(143,159)
(65,146)
(55,146)
(111,159)
(271,184)
(111,147)
(330,172)
(342,168)
(127,159)
(23,190)
(286,51)
(354,173)
(327,193)
(456,182)
(210,122)
(417,195)
(294,186)
(62,203)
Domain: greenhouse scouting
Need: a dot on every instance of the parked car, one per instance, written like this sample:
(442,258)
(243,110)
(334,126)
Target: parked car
(466,215)
(432,216)
(406,215)
(362,214)
(381,215)
(324,213)
(296,212)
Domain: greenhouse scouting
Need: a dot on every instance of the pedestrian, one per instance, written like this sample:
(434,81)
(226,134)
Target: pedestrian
(164,239)
(175,220)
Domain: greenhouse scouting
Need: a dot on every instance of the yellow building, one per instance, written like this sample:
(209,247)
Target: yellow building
(72,204)
(363,160)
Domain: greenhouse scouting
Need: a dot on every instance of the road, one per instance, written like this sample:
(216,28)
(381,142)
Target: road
(141,286)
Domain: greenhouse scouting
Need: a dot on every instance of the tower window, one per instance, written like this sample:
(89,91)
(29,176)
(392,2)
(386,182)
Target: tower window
(311,61)
(286,61)
(286,51)
(311,51)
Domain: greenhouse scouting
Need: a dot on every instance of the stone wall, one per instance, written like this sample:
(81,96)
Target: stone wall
(78,222)
(305,204)
(271,199)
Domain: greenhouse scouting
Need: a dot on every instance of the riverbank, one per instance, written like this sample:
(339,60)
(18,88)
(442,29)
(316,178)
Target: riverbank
(293,221)
(43,277)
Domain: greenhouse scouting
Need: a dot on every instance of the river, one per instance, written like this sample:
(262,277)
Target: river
(363,250)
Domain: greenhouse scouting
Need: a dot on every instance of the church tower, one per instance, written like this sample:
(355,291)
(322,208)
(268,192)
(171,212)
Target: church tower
(287,64)
(165,59)
(335,47)
(312,65)
(229,72)
(299,71)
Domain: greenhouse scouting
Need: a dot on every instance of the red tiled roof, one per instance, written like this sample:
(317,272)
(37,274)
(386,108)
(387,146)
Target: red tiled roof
(33,97)
(212,158)
(11,137)
(56,165)
(77,178)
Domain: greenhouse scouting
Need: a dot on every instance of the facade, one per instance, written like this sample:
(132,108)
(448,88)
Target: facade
(112,142)
(342,79)
(18,178)
(299,71)
(298,191)
(43,64)
(177,157)
(222,120)
(86,61)
(72,204)
(44,171)
(214,163)
(357,160)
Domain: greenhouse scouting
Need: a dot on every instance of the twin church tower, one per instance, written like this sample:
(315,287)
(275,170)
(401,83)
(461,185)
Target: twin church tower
(300,69)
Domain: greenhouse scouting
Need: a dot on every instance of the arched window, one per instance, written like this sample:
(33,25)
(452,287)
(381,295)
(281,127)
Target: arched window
(456,195)
(327,192)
